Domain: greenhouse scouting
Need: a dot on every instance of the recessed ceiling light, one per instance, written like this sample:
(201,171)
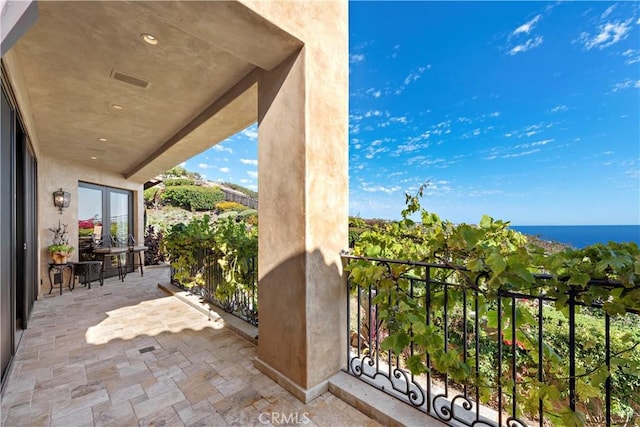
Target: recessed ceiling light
(117,107)
(149,38)
(102,139)
(94,158)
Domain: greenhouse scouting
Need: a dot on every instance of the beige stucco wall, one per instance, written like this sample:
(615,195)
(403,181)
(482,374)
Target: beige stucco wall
(303,178)
(55,173)
(303,190)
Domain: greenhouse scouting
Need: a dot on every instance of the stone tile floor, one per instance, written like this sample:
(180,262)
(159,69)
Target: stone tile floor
(127,354)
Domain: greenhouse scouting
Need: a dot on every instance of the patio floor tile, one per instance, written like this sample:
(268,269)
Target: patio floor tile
(127,354)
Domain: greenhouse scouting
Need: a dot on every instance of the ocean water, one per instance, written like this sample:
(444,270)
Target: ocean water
(580,236)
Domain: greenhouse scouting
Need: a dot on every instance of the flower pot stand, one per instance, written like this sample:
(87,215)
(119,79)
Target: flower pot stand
(58,275)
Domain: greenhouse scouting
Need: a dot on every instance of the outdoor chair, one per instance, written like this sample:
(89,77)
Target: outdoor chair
(106,246)
(137,249)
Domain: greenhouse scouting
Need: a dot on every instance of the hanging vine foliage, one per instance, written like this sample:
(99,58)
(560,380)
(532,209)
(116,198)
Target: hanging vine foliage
(232,243)
(490,259)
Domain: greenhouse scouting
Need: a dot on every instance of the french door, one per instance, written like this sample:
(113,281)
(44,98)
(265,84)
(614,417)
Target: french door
(18,231)
(103,212)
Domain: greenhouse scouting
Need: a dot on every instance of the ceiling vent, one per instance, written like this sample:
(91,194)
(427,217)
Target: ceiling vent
(128,78)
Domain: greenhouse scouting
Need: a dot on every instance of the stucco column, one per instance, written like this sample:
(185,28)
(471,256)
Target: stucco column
(303,198)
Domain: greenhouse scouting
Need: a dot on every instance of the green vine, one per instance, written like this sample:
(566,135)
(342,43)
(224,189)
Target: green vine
(233,245)
(237,249)
(491,259)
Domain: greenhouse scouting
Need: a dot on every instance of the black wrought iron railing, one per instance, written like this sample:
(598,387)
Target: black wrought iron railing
(526,360)
(209,282)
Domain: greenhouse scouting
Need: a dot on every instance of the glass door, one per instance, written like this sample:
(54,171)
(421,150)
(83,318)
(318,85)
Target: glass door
(90,214)
(119,215)
(103,213)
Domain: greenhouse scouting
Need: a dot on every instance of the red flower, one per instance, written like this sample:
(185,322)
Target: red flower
(87,223)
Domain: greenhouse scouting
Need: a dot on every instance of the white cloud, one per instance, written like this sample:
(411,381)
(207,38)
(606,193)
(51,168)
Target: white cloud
(224,170)
(252,174)
(379,188)
(408,148)
(528,45)
(372,152)
(373,92)
(411,77)
(245,181)
(543,142)
(608,34)
(524,153)
(533,144)
(629,83)
(373,113)
(203,166)
(220,147)
(608,11)
(559,108)
(354,58)
(633,55)
(251,133)
(249,162)
(528,26)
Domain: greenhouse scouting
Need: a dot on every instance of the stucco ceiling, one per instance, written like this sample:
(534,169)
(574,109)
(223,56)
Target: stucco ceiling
(200,79)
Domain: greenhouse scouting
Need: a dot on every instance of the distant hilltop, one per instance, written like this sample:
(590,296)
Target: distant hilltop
(232,192)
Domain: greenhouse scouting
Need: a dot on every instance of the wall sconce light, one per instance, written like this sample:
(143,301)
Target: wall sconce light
(61,199)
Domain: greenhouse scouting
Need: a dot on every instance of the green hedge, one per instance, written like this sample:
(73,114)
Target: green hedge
(192,197)
(150,193)
(177,181)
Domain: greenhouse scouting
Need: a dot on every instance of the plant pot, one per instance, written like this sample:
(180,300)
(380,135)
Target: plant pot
(59,257)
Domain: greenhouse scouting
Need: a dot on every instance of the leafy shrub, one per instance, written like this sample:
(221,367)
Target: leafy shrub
(229,206)
(232,245)
(250,217)
(192,197)
(152,197)
(236,246)
(153,240)
(248,212)
(185,245)
(176,171)
(354,235)
(228,214)
(178,181)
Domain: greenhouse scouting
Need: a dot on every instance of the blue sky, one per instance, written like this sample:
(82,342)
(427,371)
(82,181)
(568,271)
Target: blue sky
(525,111)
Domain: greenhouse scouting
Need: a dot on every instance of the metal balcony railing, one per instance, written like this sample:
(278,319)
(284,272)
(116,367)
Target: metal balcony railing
(511,344)
(239,299)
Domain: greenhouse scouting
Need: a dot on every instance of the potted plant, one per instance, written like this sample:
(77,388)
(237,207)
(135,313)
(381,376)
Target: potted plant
(60,249)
